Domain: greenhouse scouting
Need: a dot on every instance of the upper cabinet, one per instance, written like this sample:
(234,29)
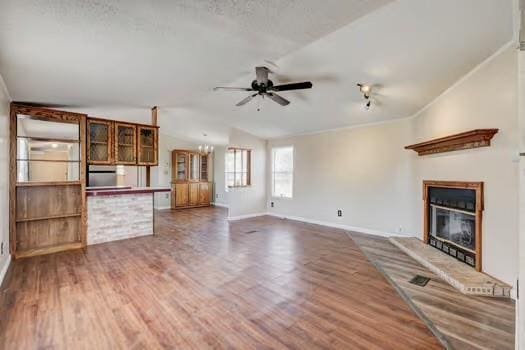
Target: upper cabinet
(125,144)
(99,141)
(147,146)
(110,142)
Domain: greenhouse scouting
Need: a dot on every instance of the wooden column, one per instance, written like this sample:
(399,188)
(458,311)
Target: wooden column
(154,123)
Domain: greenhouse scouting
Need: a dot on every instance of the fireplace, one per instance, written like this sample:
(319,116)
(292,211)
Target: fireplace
(453,214)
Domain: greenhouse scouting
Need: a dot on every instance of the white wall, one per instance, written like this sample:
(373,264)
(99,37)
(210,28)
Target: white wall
(377,184)
(4,178)
(362,171)
(251,200)
(220,195)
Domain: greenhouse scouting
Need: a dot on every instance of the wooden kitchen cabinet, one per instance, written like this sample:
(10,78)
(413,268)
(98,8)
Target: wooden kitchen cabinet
(99,142)
(110,142)
(191,169)
(147,146)
(125,144)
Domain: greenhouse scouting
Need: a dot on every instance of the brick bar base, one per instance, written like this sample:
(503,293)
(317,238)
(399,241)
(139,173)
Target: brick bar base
(112,218)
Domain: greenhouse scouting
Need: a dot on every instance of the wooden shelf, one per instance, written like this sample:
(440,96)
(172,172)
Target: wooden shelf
(62,216)
(48,250)
(55,183)
(465,140)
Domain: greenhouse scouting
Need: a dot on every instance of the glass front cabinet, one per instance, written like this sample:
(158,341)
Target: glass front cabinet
(147,146)
(191,179)
(99,141)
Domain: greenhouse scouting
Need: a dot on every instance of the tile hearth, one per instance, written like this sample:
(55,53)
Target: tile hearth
(464,278)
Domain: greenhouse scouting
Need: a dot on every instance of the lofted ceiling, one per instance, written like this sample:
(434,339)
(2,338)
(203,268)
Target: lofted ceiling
(117,58)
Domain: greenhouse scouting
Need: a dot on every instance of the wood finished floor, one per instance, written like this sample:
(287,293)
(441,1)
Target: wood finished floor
(202,283)
(466,322)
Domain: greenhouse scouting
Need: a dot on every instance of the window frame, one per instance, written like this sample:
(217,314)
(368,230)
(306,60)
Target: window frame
(248,167)
(274,195)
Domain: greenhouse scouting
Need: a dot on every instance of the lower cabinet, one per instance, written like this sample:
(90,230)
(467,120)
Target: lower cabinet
(190,195)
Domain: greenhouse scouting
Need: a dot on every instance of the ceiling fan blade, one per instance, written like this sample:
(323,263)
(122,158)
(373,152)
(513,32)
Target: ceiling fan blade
(246,100)
(262,75)
(231,88)
(293,86)
(279,99)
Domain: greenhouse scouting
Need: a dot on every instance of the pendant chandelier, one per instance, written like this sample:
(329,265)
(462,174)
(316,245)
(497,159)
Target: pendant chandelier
(205,149)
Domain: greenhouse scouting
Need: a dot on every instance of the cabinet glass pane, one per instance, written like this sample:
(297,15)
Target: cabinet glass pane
(194,163)
(181,167)
(126,153)
(204,168)
(146,137)
(36,128)
(98,133)
(126,136)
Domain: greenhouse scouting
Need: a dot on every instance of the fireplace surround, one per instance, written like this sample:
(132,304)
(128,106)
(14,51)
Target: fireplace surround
(453,219)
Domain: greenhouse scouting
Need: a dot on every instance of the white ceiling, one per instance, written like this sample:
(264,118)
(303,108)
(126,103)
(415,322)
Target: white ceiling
(117,58)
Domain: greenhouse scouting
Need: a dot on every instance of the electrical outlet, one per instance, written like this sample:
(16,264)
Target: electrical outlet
(271,204)
(167,196)
(216,195)
(339,212)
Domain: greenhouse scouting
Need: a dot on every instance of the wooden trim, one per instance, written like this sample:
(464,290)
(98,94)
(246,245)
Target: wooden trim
(111,150)
(83,175)
(12,178)
(476,186)
(57,183)
(48,139)
(46,114)
(117,121)
(465,140)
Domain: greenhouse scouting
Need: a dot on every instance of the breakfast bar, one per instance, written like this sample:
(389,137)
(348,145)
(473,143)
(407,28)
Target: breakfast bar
(116,213)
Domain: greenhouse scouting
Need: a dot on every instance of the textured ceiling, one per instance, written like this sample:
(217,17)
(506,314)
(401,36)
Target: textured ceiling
(117,58)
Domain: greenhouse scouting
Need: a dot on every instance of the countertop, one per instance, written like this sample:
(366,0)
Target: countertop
(123,190)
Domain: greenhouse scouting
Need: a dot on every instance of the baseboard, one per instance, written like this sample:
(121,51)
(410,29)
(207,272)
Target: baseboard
(218,204)
(162,208)
(3,272)
(247,216)
(340,226)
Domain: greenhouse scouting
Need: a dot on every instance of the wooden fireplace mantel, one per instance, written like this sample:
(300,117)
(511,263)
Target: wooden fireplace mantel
(465,140)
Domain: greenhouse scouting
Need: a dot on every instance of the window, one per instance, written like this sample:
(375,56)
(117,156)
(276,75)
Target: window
(282,172)
(238,164)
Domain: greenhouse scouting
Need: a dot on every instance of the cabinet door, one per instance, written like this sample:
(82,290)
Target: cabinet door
(99,141)
(204,193)
(194,194)
(147,146)
(181,195)
(194,166)
(180,166)
(125,143)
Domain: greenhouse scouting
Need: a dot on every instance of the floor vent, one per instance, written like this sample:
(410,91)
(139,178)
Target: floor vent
(252,231)
(419,280)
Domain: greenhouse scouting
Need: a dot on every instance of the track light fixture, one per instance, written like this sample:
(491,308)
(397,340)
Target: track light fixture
(366,90)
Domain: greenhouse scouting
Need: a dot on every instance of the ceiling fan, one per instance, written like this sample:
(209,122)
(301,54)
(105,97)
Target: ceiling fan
(264,87)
